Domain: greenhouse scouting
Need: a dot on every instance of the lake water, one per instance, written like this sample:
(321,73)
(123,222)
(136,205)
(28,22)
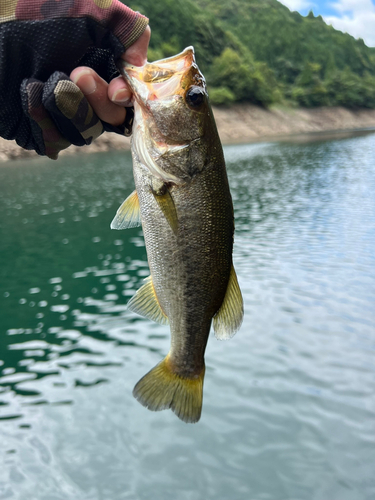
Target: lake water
(289,402)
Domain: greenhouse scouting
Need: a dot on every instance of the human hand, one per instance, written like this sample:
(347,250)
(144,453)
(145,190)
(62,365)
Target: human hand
(40,106)
(110,100)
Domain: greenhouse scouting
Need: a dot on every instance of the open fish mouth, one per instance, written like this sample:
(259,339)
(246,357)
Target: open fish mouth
(163,79)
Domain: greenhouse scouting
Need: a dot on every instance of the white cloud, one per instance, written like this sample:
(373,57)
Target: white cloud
(352,6)
(357,18)
(297,4)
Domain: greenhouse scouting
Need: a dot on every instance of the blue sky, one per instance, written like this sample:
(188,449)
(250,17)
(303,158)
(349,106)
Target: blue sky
(356,17)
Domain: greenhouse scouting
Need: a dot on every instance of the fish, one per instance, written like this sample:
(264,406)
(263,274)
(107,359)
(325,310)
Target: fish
(183,202)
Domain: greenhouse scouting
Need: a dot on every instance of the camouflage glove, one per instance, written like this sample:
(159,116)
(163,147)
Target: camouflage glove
(41,42)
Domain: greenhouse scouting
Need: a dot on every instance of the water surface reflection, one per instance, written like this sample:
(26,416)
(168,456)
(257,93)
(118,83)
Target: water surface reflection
(289,401)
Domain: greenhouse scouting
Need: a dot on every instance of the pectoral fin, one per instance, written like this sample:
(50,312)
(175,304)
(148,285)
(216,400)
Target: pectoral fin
(167,206)
(146,304)
(128,215)
(228,319)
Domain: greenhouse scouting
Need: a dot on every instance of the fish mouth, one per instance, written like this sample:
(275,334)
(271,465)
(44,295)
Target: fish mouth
(163,79)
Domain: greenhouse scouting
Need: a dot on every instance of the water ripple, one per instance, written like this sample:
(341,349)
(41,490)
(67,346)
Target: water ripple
(289,402)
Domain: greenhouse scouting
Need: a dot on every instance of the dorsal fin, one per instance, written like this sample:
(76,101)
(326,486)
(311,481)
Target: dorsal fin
(228,319)
(146,304)
(128,215)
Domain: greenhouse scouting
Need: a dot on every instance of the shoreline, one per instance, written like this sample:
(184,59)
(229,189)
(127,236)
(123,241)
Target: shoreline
(244,123)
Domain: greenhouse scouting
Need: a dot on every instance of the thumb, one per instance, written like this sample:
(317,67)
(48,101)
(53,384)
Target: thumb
(136,54)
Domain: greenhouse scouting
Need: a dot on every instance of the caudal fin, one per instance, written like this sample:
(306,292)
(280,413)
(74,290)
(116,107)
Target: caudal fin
(161,389)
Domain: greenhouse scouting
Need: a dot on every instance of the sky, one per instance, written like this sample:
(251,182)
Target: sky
(356,17)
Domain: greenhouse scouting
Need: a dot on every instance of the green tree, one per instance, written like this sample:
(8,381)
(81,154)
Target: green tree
(221,96)
(259,51)
(243,77)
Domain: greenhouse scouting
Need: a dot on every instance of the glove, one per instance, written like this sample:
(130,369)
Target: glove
(41,42)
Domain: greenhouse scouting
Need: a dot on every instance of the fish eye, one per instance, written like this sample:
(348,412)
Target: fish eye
(195,97)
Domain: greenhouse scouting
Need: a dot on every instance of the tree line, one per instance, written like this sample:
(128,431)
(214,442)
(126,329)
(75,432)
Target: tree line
(258,51)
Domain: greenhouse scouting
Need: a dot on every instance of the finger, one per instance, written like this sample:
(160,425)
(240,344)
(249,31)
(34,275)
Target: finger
(95,89)
(137,53)
(119,92)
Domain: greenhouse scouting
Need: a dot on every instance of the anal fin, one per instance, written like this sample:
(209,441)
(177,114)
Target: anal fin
(229,317)
(128,215)
(146,304)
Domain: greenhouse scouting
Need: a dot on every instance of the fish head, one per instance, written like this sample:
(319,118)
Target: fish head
(173,121)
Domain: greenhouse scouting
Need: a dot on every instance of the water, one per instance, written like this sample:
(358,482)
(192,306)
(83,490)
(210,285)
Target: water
(289,402)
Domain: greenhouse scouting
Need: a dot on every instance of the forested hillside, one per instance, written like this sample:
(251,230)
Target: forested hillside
(258,51)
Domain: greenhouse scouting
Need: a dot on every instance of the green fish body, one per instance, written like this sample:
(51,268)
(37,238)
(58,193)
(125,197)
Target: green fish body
(183,201)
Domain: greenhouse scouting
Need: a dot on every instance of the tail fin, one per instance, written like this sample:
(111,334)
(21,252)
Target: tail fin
(161,389)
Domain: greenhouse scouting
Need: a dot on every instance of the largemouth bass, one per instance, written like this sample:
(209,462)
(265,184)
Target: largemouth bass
(183,202)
